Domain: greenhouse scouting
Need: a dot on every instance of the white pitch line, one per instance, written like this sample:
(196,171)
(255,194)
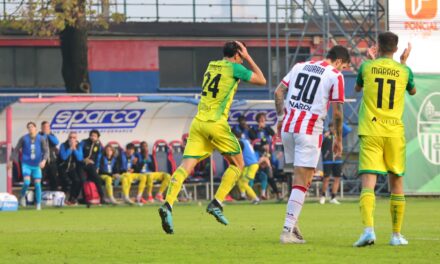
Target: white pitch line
(426,238)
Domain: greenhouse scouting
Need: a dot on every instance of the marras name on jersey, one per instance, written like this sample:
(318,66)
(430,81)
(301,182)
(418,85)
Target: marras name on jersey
(385,71)
(300,106)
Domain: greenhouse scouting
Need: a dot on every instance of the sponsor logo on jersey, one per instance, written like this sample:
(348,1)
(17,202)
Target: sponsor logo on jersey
(428,126)
(96,119)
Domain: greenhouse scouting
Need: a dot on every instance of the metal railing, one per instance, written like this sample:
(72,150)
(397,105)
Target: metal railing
(166,10)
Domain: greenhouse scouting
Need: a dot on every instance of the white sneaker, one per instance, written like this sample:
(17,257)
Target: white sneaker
(38,207)
(398,240)
(128,200)
(290,238)
(322,200)
(366,239)
(256,201)
(113,201)
(334,201)
(23,201)
(139,201)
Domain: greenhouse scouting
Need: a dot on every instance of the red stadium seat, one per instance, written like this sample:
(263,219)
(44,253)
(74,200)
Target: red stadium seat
(177,149)
(163,157)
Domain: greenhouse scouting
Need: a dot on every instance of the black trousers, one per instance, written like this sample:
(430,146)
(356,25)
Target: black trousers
(71,181)
(50,173)
(92,175)
(271,179)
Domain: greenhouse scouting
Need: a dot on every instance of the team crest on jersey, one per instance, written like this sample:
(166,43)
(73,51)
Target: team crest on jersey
(428,123)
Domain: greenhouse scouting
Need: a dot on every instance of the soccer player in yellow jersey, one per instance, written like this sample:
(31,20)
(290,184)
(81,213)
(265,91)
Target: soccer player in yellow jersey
(382,134)
(210,129)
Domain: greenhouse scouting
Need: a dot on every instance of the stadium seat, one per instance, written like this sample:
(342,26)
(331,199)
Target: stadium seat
(117,147)
(177,148)
(163,157)
(219,165)
(184,139)
(137,145)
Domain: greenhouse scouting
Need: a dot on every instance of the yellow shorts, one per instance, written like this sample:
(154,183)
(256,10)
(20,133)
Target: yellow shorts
(204,137)
(382,155)
(157,176)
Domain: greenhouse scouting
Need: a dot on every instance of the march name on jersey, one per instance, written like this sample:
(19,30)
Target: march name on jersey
(312,85)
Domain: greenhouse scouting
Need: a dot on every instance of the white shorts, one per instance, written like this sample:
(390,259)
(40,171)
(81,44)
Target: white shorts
(302,150)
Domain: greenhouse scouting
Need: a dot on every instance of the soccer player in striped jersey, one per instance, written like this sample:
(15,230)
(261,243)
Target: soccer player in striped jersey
(301,102)
(210,129)
(382,133)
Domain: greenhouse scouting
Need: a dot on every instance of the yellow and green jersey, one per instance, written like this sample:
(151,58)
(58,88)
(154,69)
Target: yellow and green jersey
(219,86)
(384,82)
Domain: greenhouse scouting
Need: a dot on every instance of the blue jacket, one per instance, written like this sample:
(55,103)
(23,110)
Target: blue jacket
(108,166)
(92,151)
(144,164)
(33,151)
(126,163)
(66,153)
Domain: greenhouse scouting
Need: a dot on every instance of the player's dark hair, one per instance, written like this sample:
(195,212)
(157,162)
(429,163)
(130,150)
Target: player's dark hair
(94,131)
(388,42)
(339,52)
(130,146)
(231,48)
(237,133)
(143,143)
(31,123)
(44,122)
(259,115)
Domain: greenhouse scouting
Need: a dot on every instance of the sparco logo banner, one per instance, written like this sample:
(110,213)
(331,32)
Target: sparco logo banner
(96,119)
(429,128)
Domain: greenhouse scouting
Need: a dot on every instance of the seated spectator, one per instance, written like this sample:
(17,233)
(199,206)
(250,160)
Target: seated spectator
(146,166)
(70,158)
(92,152)
(50,171)
(244,129)
(249,171)
(35,153)
(128,162)
(262,130)
(109,170)
(264,161)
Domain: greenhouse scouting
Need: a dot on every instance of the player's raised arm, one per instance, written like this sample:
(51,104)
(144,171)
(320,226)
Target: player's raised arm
(411,88)
(280,95)
(338,117)
(257,76)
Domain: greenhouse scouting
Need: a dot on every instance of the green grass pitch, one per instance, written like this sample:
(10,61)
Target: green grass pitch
(126,234)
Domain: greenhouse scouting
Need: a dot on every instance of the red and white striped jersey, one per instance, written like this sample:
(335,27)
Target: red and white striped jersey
(312,86)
